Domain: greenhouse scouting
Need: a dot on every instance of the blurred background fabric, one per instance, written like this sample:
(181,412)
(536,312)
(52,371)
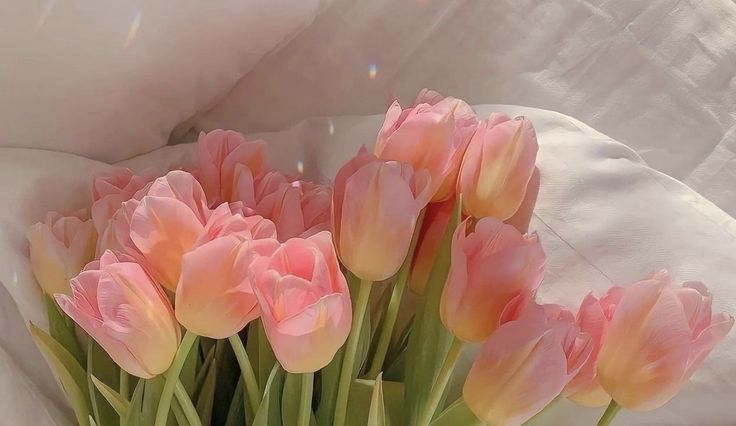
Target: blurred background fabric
(656,79)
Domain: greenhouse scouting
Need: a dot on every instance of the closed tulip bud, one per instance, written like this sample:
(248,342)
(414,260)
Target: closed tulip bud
(431,135)
(167,223)
(60,247)
(225,158)
(489,267)
(215,297)
(524,365)
(497,167)
(593,318)
(123,310)
(305,302)
(375,207)
(658,337)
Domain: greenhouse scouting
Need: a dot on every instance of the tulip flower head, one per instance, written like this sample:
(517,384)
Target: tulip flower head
(305,302)
(60,247)
(525,364)
(123,310)
(375,207)
(658,336)
(490,267)
(497,167)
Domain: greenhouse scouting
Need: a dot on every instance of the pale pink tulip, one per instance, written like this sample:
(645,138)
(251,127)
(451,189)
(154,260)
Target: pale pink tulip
(225,158)
(60,247)
(110,189)
(119,306)
(299,209)
(305,302)
(659,336)
(167,223)
(375,207)
(214,297)
(431,135)
(436,219)
(497,166)
(593,318)
(525,364)
(490,266)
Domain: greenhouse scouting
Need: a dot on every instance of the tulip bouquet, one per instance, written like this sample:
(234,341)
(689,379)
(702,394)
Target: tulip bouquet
(229,293)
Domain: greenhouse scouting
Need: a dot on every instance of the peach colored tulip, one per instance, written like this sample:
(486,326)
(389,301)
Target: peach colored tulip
(214,297)
(117,304)
(375,207)
(490,266)
(305,302)
(658,336)
(110,189)
(497,167)
(225,157)
(593,318)
(60,247)
(436,218)
(524,365)
(299,209)
(431,135)
(167,223)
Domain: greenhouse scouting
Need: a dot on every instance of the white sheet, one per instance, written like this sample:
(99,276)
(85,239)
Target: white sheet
(656,75)
(602,214)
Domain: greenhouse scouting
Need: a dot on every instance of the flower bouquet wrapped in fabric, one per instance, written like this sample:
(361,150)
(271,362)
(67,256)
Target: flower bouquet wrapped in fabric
(229,293)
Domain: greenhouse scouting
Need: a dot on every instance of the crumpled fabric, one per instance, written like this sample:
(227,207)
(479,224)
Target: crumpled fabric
(603,217)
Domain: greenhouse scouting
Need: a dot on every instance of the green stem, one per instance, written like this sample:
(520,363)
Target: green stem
(305,403)
(392,311)
(351,347)
(172,377)
(124,384)
(609,414)
(186,405)
(441,383)
(246,369)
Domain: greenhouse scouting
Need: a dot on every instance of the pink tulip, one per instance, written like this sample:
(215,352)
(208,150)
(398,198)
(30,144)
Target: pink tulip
(111,189)
(490,266)
(305,302)
(225,157)
(525,364)
(375,207)
(593,318)
(497,167)
(60,247)
(117,304)
(299,209)
(436,219)
(431,135)
(214,297)
(167,223)
(657,338)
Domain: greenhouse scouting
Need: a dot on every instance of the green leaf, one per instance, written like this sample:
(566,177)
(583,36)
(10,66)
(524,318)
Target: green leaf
(260,353)
(377,412)
(188,374)
(456,414)
(202,373)
(116,401)
(92,421)
(235,415)
(329,377)
(62,329)
(134,415)
(290,399)
(361,395)
(228,374)
(429,341)
(269,413)
(70,373)
(206,398)
(104,370)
